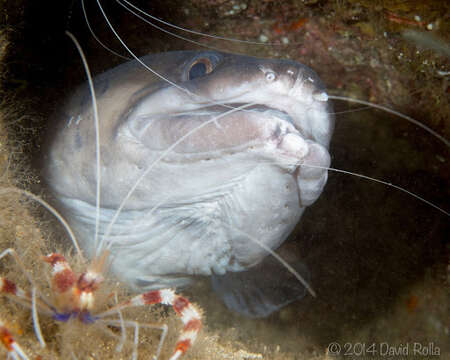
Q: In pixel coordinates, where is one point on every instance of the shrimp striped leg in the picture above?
(189, 314)
(13, 348)
(9, 288)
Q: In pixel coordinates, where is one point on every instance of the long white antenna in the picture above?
(384, 108)
(7, 190)
(97, 135)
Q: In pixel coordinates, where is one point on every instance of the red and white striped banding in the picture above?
(192, 320)
(189, 314)
(74, 295)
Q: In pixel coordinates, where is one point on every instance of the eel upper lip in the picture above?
(280, 114)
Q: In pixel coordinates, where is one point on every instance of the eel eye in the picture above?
(200, 67)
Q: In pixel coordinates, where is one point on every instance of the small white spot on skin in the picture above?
(323, 96)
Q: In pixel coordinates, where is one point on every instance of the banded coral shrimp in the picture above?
(322, 243)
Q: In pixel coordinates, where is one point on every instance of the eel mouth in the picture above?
(235, 122)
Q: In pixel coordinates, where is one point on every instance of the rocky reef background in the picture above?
(378, 258)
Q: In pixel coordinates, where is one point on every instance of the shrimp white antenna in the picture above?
(198, 33)
(34, 312)
(136, 325)
(97, 134)
(164, 328)
(384, 108)
(19, 352)
(383, 182)
(7, 190)
(136, 341)
(164, 30)
(123, 333)
(418, 197)
(350, 111)
(134, 56)
(96, 37)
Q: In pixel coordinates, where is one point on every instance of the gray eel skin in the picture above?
(239, 173)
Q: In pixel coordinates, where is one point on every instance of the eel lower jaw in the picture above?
(284, 116)
(294, 141)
